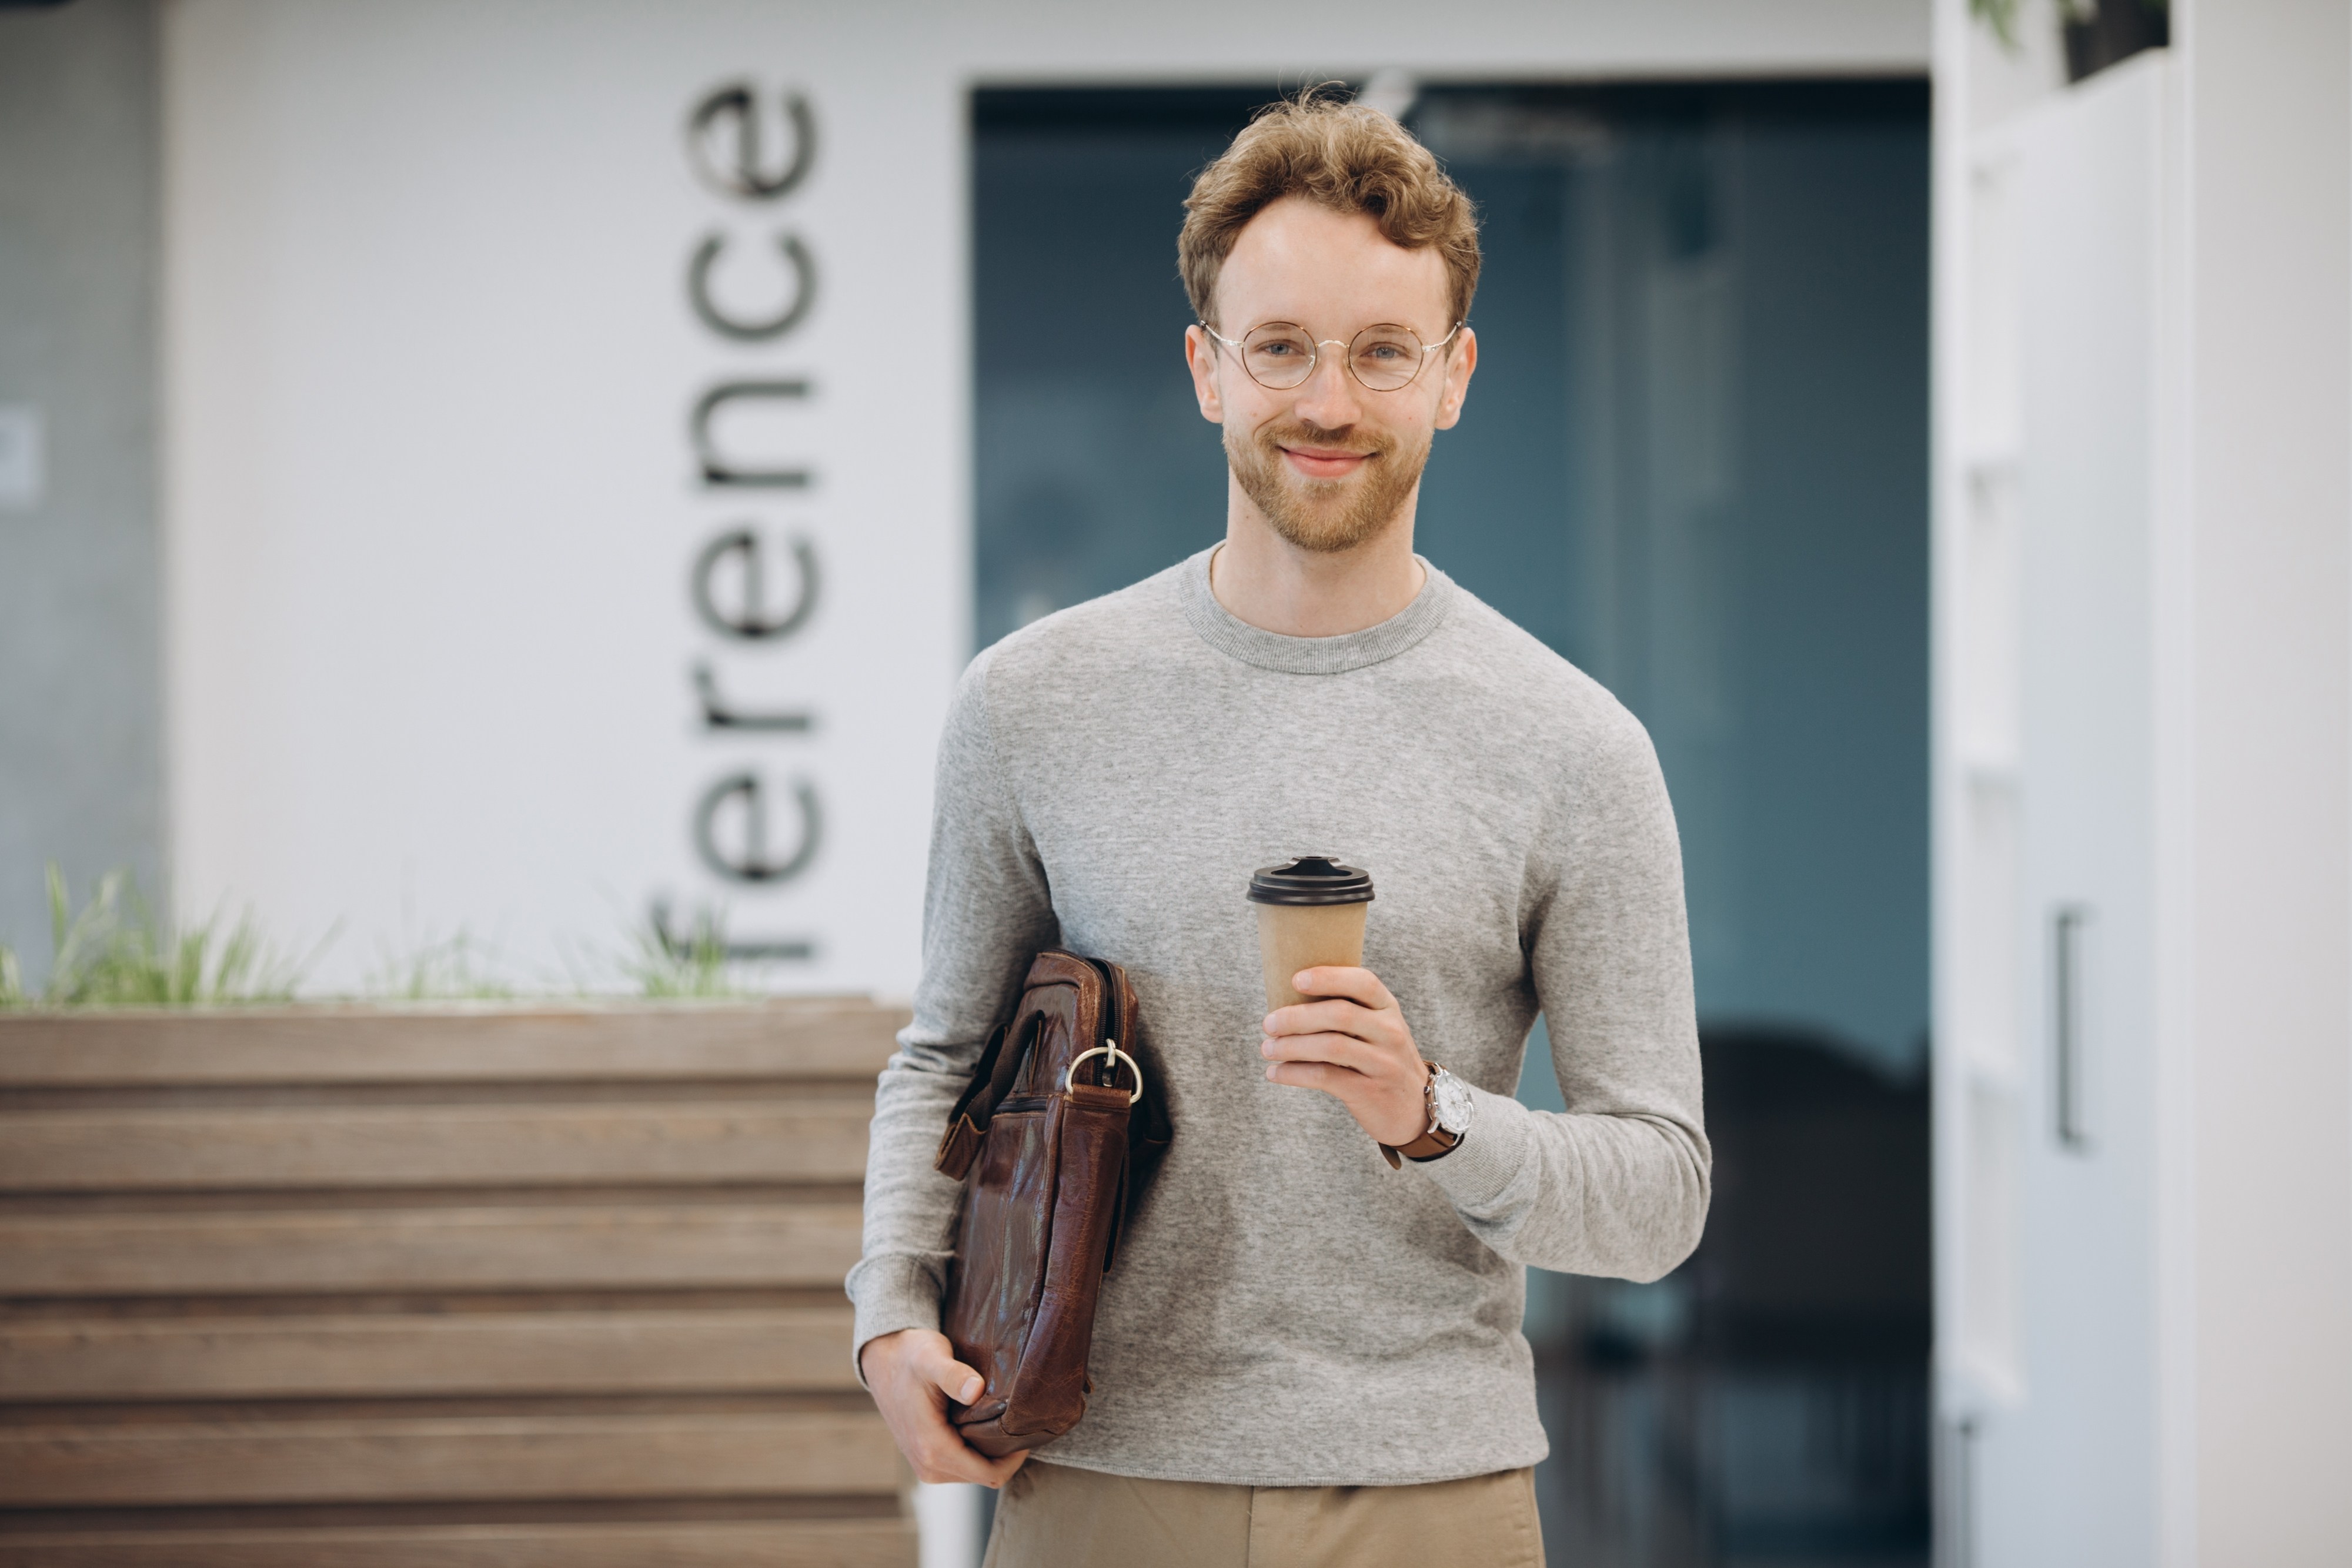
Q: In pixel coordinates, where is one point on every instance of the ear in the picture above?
(1461, 358)
(1200, 358)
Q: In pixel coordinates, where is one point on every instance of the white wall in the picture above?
(430, 509)
(2169, 1372)
(432, 503)
(2268, 113)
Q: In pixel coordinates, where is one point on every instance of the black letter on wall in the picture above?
(755, 866)
(735, 163)
(803, 299)
(716, 472)
(716, 714)
(753, 621)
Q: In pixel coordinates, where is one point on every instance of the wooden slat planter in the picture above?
(393, 1147)
(459, 1286)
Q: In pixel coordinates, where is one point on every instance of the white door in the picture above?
(2046, 1328)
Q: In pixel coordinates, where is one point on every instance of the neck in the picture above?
(1269, 583)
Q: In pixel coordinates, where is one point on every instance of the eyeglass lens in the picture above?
(1280, 356)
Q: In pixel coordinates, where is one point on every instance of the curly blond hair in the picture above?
(1339, 155)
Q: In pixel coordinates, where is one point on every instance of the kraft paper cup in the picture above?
(1311, 911)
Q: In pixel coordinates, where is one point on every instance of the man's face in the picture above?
(1330, 463)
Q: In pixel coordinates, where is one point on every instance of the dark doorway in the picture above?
(1694, 462)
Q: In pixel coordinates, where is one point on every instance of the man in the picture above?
(1304, 1356)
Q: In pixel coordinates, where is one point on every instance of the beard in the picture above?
(1326, 516)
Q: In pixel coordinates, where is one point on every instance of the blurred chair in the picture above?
(1767, 1401)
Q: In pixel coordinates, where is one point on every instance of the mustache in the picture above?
(1306, 432)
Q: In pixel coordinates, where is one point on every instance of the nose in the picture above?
(1329, 396)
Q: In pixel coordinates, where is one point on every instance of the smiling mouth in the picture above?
(1325, 462)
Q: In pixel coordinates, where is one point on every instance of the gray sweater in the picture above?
(1287, 1311)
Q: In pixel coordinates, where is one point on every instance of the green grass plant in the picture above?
(2000, 16)
(662, 964)
(455, 968)
(116, 951)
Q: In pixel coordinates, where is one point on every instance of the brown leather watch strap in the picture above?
(1427, 1146)
(1436, 1141)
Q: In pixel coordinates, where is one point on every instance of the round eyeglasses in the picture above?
(1281, 355)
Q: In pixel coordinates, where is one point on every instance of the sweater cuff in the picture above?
(891, 1291)
(1478, 1174)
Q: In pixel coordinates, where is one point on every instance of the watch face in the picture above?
(1449, 1099)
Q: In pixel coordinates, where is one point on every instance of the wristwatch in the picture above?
(1449, 1119)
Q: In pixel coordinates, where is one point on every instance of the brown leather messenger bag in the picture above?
(1054, 1141)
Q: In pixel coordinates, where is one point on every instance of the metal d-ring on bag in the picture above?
(1108, 1048)
(1052, 1161)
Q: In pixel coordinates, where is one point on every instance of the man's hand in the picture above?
(914, 1374)
(1353, 1045)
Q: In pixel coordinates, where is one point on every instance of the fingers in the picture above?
(1391, 1114)
(1336, 980)
(914, 1374)
(952, 1378)
(1341, 1083)
(1341, 1051)
(950, 1459)
(1352, 1044)
(1337, 1016)
(945, 1449)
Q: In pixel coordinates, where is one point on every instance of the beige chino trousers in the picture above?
(1056, 1516)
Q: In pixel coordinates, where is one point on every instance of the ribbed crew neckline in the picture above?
(1229, 633)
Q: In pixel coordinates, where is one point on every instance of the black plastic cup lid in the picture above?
(1310, 879)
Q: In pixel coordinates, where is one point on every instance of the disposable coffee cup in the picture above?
(1311, 911)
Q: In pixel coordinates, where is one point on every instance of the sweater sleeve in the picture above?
(1618, 1184)
(986, 911)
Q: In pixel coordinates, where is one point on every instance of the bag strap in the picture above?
(992, 1077)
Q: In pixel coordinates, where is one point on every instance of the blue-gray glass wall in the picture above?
(1694, 462)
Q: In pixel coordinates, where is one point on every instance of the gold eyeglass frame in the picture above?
(1314, 358)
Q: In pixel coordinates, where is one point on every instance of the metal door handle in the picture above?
(2067, 1029)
